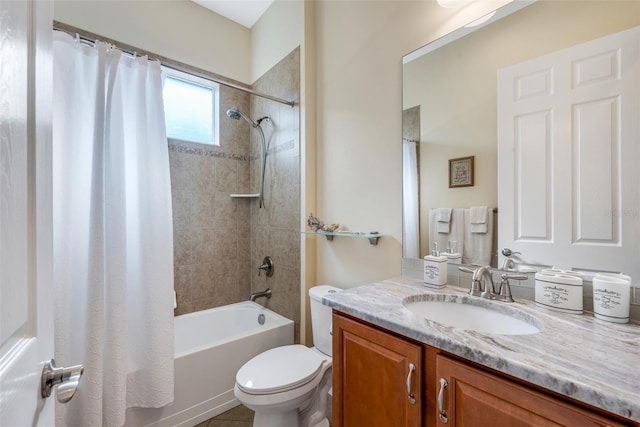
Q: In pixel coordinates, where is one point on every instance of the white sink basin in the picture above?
(473, 314)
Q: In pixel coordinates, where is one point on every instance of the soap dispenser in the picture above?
(452, 256)
(435, 269)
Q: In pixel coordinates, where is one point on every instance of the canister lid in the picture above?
(561, 279)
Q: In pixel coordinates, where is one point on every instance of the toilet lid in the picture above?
(279, 369)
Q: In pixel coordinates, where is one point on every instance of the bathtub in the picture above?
(210, 347)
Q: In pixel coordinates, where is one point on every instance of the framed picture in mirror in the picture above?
(461, 172)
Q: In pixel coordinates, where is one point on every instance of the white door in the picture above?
(568, 156)
(26, 274)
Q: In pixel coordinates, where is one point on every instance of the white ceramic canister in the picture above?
(611, 297)
(559, 292)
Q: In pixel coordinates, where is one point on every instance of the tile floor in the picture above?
(240, 416)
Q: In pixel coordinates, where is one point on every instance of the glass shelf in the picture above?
(245, 196)
(372, 236)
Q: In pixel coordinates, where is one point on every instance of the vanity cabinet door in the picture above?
(472, 397)
(376, 377)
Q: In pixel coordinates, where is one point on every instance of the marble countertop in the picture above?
(589, 360)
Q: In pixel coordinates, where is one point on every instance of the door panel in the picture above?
(14, 221)
(26, 273)
(533, 192)
(597, 144)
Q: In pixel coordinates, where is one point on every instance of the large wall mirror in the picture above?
(450, 105)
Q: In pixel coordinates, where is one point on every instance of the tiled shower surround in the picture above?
(220, 241)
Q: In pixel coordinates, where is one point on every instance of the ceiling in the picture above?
(244, 12)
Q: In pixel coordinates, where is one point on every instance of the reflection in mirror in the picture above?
(410, 181)
(454, 89)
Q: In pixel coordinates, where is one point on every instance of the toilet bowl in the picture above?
(288, 386)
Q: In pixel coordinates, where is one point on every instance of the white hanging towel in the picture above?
(456, 230)
(477, 246)
(443, 220)
(478, 219)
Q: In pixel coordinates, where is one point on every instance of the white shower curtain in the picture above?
(410, 223)
(113, 248)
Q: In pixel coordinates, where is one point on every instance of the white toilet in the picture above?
(287, 386)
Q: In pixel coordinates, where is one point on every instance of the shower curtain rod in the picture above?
(167, 62)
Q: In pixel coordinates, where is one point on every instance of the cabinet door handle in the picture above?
(442, 414)
(412, 398)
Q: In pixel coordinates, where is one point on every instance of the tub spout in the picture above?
(256, 295)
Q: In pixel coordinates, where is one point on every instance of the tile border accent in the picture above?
(178, 148)
(206, 152)
(289, 145)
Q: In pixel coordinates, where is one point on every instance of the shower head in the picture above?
(236, 114)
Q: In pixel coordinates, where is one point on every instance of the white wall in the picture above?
(351, 100)
(359, 100)
(180, 30)
(275, 35)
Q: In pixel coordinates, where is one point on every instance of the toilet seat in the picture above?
(279, 369)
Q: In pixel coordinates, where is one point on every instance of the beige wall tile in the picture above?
(181, 246)
(218, 241)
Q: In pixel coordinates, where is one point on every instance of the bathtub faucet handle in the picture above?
(267, 266)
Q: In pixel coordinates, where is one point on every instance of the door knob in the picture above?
(66, 379)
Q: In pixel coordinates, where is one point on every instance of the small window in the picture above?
(190, 108)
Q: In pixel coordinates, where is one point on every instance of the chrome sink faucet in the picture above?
(484, 274)
(481, 282)
(508, 261)
(508, 264)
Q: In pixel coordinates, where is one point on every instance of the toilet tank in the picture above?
(321, 318)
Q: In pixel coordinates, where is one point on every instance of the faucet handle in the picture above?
(506, 276)
(504, 294)
(267, 266)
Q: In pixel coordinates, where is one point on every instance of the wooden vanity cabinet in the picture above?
(475, 398)
(370, 373)
(377, 377)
